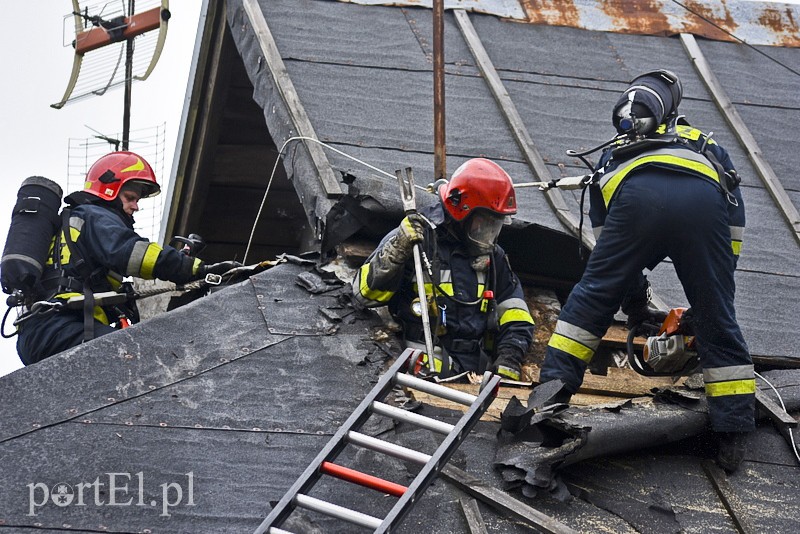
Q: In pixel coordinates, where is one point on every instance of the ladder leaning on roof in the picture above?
(297, 496)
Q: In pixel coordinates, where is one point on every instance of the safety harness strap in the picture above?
(84, 272)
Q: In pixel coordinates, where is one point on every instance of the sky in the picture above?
(34, 137)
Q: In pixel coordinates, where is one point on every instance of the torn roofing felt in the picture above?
(363, 74)
(547, 452)
(244, 387)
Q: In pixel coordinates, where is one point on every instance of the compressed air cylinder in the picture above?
(34, 222)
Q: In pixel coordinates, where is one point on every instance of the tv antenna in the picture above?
(113, 141)
(104, 34)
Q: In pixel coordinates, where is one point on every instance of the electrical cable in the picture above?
(720, 28)
(780, 399)
(275, 168)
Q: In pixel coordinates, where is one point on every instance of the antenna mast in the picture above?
(103, 36)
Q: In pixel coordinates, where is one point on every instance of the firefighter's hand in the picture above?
(645, 314)
(509, 362)
(400, 247)
(410, 232)
(217, 268)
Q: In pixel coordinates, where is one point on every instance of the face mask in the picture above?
(481, 231)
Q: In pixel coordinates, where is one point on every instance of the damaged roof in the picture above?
(359, 78)
(207, 414)
(229, 398)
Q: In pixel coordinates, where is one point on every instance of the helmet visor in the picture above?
(483, 227)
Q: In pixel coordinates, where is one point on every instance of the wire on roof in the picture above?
(275, 168)
(720, 28)
(791, 436)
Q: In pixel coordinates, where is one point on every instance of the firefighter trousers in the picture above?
(656, 215)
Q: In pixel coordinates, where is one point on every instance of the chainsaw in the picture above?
(669, 349)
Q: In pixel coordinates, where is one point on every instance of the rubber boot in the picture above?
(732, 448)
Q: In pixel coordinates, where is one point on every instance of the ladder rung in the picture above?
(362, 479)
(435, 389)
(339, 512)
(412, 418)
(385, 447)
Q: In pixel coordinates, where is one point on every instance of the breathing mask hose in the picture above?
(3, 325)
(580, 223)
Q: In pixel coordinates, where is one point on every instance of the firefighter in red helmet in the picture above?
(479, 317)
(95, 249)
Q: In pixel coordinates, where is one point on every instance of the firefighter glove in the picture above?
(509, 362)
(410, 232)
(645, 314)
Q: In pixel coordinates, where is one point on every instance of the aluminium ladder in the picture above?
(297, 496)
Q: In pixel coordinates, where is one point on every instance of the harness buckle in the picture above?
(213, 279)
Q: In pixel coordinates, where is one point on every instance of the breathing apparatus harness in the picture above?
(440, 298)
(631, 144)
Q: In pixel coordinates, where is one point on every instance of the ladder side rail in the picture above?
(312, 473)
(441, 456)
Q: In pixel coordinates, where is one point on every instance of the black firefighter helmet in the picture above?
(650, 99)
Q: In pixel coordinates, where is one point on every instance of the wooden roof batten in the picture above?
(518, 130)
(768, 177)
(532, 156)
(300, 120)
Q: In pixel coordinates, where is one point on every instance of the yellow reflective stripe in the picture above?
(100, 315)
(98, 312)
(196, 265)
(610, 187)
(371, 294)
(115, 284)
(571, 347)
(149, 261)
(516, 314)
(67, 296)
(481, 287)
(584, 337)
(437, 363)
(687, 132)
(737, 236)
(447, 289)
(731, 387)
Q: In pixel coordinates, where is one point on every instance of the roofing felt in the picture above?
(364, 76)
(242, 389)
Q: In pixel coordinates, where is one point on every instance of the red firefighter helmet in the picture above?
(114, 170)
(479, 184)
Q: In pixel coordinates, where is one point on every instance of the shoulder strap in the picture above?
(84, 271)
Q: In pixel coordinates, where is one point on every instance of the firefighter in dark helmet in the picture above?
(663, 189)
(94, 250)
(479, 319)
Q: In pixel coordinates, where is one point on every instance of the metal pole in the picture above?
(126, 112)
(439, 139)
